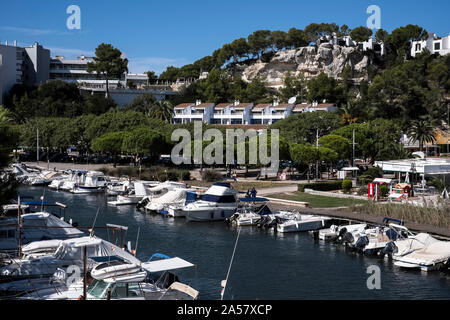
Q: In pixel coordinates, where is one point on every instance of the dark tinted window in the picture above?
(219, 199)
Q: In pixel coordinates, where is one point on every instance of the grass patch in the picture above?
(316, 201)
(430, 215)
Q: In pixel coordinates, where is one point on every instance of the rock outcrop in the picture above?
(309, 61)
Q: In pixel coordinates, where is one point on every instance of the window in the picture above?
(437, 46)
(418, 47)
(98, 288)
(219, 199)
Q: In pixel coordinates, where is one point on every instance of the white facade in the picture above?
(22, 65)
(189, 112)
(270, 113)
(232, 113)
(434, 44)
(315, 106)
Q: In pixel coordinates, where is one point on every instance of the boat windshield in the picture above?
(219, 199)
(98, 288)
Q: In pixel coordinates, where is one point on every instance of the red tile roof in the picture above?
(183, 105)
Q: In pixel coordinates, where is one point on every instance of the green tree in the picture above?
(380, 35)
(338, 144)
(8, 141)
(304, 154)
(111, 142)
(361, 34)
(142, 103)
(259, 41)
(422, 131)
(162, 110)
(325, 88)
(108, 64)
(256, 91)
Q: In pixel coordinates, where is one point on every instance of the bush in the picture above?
(211, 176)
(347, 185)
(363, 190)
(384, 190)
(321, 186)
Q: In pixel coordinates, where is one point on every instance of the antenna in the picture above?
(292, 100)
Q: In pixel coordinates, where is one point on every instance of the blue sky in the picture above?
(155, 34)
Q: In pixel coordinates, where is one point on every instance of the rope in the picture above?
(231, 262)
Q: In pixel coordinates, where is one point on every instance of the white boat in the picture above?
(335, 231)
(58, 182)
(122, 281)
(95, 182)
(422, 252)
(174, 197)
(158, 191)
(250, 211)
(374, 240)
(68, 253)
(35, 227)
(302, 222)
(75, 177)
(141, 190)
(218, 203)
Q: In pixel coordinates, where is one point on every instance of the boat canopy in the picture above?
(256, 199)
(166, 265)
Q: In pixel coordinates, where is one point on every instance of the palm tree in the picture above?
(423, 132)
(161, 110)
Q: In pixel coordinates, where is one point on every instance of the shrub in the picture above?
(321, 186)
(347, 185)
(211, 176)
(363, 190)
(384, 190)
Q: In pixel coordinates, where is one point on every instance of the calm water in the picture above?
(266, 266)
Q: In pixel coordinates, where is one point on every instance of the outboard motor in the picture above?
(348, 238)
(389, 249)
(262, 221)
(340, 237)
(361, 243)
(141, 204)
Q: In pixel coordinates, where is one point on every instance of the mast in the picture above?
(84, 273)
(19, 227)
(37, 145)
(229, 268)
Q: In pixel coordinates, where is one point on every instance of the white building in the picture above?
(434, 44)
(22, 65)
(347, 41)
(189, 112)
(315, 106)
(268, 114)
(232, 113)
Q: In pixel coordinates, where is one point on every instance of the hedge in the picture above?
(321, 186)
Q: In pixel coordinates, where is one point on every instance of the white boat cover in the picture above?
(140, 190)
(166, 265)
(435, 252)
(171, 197)
(414, 243)
(39, 246)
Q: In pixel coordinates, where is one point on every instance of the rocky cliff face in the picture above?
(309, 61)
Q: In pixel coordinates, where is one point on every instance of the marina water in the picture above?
(266, 265)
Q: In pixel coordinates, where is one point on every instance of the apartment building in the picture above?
(189, 112)
(232, 113)
(22, 65)
(434, 44)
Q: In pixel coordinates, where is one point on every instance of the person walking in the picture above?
(253, 192)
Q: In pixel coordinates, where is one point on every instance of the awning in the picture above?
(166, 265)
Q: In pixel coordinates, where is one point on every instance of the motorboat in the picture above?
(218, 203)
(76, 177)
(302, 222)
(373, 240)
(117, 279)
(95, 182)
(158, 191)
(58, 182)
(422, 252)
(173, 197)
(333, 233)
(34, 227)
(176, 210)
(119, 187)
(23, 173)
(68, 253)
(141, 190)
(250, 210)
